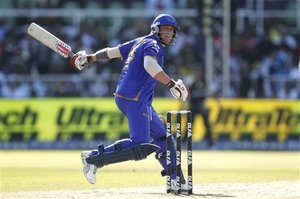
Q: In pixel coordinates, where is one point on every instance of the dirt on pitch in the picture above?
(277, 189)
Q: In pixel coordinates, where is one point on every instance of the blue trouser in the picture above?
(144, 126)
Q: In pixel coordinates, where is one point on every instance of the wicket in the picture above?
(178, 151)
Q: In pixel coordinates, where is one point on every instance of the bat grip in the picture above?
(70, 54)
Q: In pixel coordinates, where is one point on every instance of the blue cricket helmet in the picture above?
(164, 20)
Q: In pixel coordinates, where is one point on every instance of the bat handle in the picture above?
(70, 54)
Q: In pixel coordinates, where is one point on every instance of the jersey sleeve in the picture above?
(125, 48)
(151, 48)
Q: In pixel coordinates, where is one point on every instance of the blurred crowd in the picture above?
(267, 64)
(261, 65)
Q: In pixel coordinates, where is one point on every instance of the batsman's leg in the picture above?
(124, 150)
(135, 148)
(121, 154)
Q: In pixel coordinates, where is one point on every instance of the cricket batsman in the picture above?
(143, 68)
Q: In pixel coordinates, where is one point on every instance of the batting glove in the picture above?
(80, 60)
(179, 89)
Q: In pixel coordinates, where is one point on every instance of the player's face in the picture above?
(166, 33)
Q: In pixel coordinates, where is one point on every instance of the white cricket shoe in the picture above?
(89, 170)
(184, 187)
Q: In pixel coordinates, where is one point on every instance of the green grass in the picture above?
(61, 170)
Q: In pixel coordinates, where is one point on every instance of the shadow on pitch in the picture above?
(198, 195)
(214, 195)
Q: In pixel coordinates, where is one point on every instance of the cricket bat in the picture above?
(50, 40)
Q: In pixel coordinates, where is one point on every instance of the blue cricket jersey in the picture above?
(135, 83)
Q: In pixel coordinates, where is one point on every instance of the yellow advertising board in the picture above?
(66, 119)
(98, 118)
(259, 118)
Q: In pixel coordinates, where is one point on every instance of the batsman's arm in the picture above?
(104, 54)
(81, 60)
(154, 69)
(179, 89)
